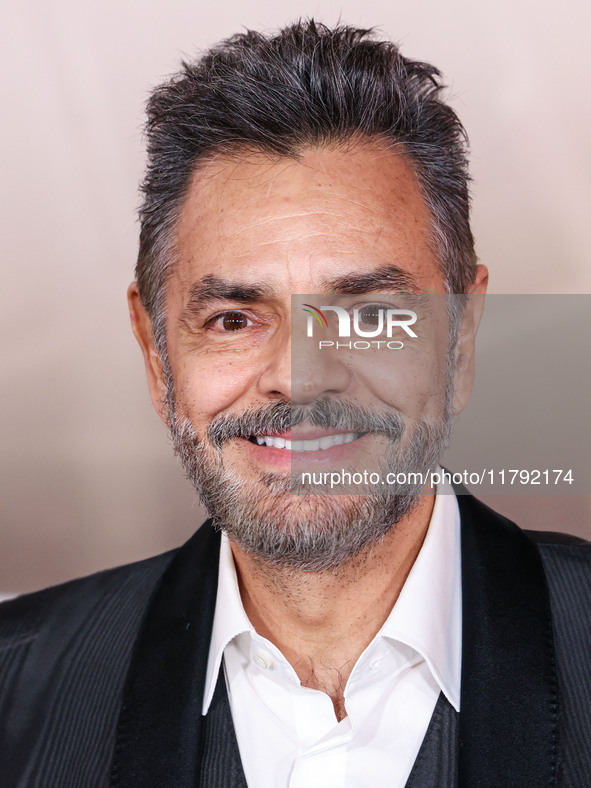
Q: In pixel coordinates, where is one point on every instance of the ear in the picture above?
(142, 329)
(464, 351)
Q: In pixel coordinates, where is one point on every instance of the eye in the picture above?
(229, 321)
(370, 314)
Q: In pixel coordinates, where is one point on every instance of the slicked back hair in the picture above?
(308, 85)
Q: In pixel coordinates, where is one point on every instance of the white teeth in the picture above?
(311, 445)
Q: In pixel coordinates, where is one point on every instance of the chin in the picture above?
(308, 532)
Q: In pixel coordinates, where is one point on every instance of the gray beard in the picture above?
(272, 518)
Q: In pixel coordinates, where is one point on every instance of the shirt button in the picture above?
(262, 660)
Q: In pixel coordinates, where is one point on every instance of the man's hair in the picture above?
(306, 86)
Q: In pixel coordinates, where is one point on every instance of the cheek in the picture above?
(206, 387)
(412, 379)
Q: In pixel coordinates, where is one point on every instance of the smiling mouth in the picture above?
(317, 444)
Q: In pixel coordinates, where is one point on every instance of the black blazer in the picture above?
(101, 679)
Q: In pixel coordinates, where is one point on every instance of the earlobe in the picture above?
(142, 329)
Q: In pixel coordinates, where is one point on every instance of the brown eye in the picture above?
(370, 314)
(234, 321)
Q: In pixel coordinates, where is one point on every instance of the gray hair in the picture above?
(307, 85)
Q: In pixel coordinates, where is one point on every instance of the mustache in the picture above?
(278, 417)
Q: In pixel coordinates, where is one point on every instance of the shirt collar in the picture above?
(427, 615)
(230, 618)
(432, 587)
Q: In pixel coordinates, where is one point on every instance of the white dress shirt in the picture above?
(288, 735)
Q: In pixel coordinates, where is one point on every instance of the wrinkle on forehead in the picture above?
(278, 218)
(326, 203)
(258, 171)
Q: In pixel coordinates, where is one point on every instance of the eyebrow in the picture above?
(386, 277)
(212, 289)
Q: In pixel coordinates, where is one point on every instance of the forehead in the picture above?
(295, 223)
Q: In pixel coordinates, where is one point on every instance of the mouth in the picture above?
(313, 443)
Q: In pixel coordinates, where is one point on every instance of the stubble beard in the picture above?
(283, 526)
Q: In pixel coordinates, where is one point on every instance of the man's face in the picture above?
(337, 223)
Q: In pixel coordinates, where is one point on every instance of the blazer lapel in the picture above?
(509, 696)
(158, 734)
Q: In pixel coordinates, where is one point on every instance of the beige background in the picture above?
(88, 478)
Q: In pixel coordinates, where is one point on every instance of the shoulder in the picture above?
(82, 616)
(556, 549)
(127, 586)
(567, 563)
(64, 654)
(98, 613)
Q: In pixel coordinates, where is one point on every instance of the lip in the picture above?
(285, 460)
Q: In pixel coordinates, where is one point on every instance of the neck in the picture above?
(323, 621)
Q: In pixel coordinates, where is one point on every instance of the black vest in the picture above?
(435, 766)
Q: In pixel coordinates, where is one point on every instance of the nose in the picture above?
(301, 370)
(317, 371)
(275, 381)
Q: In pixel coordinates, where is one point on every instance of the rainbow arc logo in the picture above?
(315, 312)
